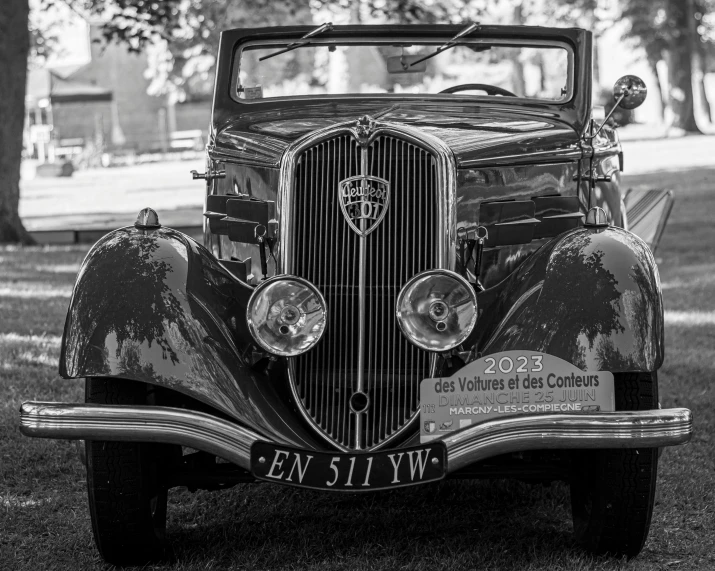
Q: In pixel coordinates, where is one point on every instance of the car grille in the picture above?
(325, 250)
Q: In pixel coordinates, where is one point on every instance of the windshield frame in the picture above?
(525, 42)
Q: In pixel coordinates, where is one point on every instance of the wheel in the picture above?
(125, 484)
(613, 491)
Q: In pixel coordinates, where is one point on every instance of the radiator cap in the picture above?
(147, 219)
(596, 218)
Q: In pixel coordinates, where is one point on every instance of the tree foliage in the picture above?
(673, 31)
(183, 36)
(184, 64)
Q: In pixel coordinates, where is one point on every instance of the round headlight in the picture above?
(286, 315)
(437, 310)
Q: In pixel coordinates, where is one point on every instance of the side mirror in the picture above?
(629, 92)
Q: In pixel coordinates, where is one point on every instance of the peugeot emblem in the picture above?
(364, 201)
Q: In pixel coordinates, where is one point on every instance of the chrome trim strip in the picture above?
(636, 429)
(445, 239)
(139, 424)
(531, 158)
(223, 154)
(362, 309)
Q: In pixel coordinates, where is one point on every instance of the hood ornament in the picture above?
(364, 128)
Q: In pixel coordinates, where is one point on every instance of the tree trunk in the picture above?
(704, 98)
(596, 61)
(662, 99)
(355, 16)
(518, 82)
(699, 64)
(14, 48)
(680, 68)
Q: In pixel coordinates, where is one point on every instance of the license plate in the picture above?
(508, 383)
(349, 472)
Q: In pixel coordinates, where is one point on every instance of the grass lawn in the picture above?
(44, 523)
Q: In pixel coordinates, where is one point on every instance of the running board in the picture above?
(647, 213)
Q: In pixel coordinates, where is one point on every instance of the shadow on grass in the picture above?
(454, 524)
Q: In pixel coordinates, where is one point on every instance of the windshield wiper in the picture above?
(450, 44)
(328, 26)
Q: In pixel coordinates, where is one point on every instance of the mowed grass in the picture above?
(44, 523)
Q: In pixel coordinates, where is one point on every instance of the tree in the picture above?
(20, 38)
(14, 51)
(680, 63)
(667, 30)
(184, 64)
(647, 27)
(699, 56)
(190, 29)
(131, 22)
(183, 24)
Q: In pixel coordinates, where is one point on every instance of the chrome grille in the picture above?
(326, 251)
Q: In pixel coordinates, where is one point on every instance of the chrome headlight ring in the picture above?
(437, 310)
(286, 315)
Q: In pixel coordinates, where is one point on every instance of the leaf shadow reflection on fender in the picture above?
(143, 299)
(157, 307)
(591, 297)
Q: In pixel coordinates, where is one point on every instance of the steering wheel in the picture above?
(489, 89)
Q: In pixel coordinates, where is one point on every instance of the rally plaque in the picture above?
(510, 383)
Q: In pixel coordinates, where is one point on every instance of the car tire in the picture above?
(126, 484)
(613, 491)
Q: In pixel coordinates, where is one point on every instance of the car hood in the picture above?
(477, 135)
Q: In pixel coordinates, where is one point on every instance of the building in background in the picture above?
(99, 109)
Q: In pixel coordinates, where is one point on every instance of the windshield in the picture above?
(483, 67)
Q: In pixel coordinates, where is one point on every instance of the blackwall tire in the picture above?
(613, 491)
(127, 498)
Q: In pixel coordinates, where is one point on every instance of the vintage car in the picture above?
(418, 264)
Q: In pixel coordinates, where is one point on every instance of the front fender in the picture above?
(591, 297)
(155, 306)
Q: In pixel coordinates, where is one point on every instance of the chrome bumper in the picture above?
(638, 429)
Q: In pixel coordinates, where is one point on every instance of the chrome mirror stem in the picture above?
(608, 116)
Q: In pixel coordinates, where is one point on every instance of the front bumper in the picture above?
(636, 429)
